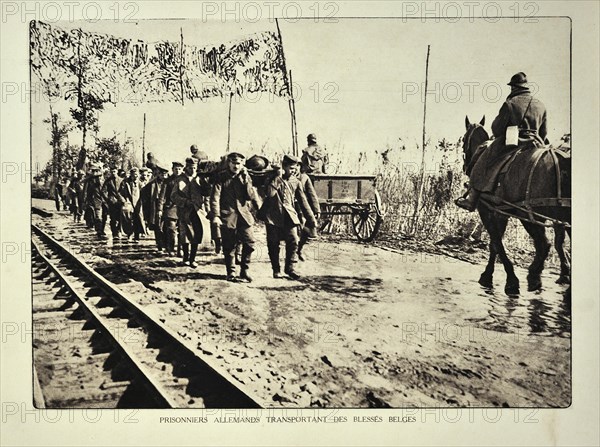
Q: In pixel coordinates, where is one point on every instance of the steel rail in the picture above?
(245, 398)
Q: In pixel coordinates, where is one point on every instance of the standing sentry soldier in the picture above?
(314, 158)
(520, 109)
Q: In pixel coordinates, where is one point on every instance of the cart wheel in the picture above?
(367, 220)
(326, 218)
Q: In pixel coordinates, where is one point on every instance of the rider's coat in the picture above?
(520, 109)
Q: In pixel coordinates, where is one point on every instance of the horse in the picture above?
(538, 190)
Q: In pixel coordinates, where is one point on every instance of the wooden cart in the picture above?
(353, 195)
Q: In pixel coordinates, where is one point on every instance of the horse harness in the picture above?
(526, 206)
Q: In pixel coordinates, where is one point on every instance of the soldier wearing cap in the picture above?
(95, 200)
(281, 217)
(188, 194)
(151, 203)
(232, 199)
(132, 220)
(169, 209)
(314, 157)
(520, 109)
(111, 191)
(76, 190)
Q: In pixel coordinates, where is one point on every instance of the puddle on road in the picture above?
(545, 313)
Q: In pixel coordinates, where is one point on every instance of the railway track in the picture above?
(130, 360)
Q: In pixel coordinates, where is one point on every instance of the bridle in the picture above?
(467, 150)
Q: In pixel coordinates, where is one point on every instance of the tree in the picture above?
(59, 131)
(86, 115)
(111, 152)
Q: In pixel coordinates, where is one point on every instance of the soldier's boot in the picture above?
(230, 267)
(244, 275)
(470, 201)
(217, 246)
(238, 254)
(193, 251)
(290, 261)
(245, 262)
(301, 244)
(291, 272)
(186, 253)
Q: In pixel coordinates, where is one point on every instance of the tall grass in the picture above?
(437, 219)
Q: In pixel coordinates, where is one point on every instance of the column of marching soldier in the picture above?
(170, 204)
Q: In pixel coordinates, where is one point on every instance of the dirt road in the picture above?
(364, 327)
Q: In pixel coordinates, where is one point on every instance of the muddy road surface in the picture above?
(365, 326)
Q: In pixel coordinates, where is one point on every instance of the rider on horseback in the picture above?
(522, 113)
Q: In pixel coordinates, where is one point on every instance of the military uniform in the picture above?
(313, 157)
(95, 201)
(132, 219)
(111, 190)
(282, 219)
(169, 212)
(188, 194)
(151, 205)
(231, 203)
(520, 109)
(307, 232)
(77, 198)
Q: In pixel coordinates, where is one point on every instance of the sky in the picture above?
(358, 85)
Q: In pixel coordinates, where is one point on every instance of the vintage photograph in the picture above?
(307, 213)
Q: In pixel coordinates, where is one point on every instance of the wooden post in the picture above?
(144, 142)
(422, 174)
(181, 68)
(80, 98)
(289, 88)
(292, 104)
(229, 122)
(54, 146)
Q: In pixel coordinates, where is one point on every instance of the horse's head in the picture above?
(474, 137)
